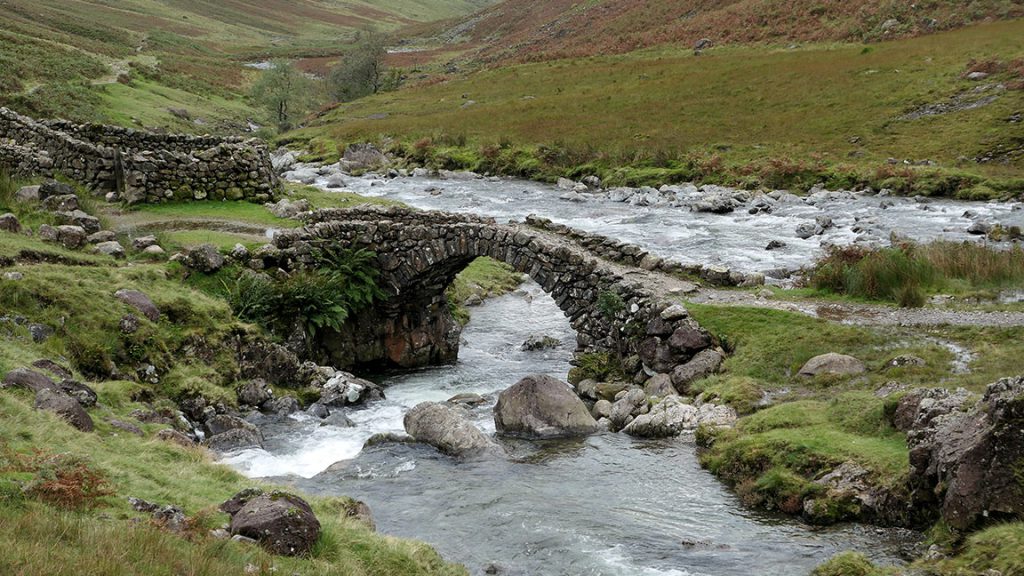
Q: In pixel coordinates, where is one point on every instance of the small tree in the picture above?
(285, 92)
(362, 71)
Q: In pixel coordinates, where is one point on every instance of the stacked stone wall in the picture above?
(141, 167)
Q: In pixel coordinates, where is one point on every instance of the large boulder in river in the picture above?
(64, 406)
(448, 429)
(832, 363)
(542, 407)
(281, 522)
(968, 456)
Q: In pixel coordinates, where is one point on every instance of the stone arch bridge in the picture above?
(420, 253)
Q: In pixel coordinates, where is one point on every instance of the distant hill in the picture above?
(525, 30)
(51, 51)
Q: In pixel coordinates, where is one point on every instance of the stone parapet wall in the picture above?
(140, 167)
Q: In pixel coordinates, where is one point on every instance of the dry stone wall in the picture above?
(141, 167)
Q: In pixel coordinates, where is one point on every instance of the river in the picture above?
(736, 240)
(608, 505)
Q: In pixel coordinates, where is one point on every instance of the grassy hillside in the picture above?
(115, 61)
(525, 30)
(760, 115)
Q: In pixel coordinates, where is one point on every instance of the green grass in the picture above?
(769, 347)
(745, 114)
(908, 272)
(37, 538)
(484, 277)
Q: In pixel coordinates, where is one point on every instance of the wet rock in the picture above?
(344, 389)
(29, 380)
(542, 407)
(832, 363)
(602, 409)
(467, 399)
(271, 362)
(254, 392)
(335, 181)
(979, 228)
(381, 438)
(140, 302)
(234, 439)
(659, 385)
(64, 406)
(968, 456)
(318, 410)
(806, 230)
(626, 407)
(282, 406)
(775, 245)
(221, 423)
(538, 342)
(609, 390)
(282, 523)
(447, 429)
(672, 416)
(112, 249)
(338, 419)
(204, 258)
(9, 223)
(703, 364)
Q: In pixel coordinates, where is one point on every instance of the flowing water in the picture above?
(735, 240)
(605, 505)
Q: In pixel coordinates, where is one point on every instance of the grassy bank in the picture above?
(908, 273)
(749, 115)
(796, 429)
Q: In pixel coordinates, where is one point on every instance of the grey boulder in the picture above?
(542, 407)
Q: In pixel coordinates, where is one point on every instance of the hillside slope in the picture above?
(749, 114)
(524, 30)
(181, 53)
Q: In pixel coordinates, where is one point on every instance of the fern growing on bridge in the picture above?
(322, 297)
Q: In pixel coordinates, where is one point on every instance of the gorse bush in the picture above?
(322, 297)
(906, 272)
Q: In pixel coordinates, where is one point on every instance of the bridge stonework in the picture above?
(419, 255)
(142, 167)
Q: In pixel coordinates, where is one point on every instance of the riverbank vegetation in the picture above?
(908, 273)
(795, 429)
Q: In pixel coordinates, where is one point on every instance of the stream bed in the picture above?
(605, 505)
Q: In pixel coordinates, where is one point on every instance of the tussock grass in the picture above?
(38, 539)
(741, 114)
(907, 272)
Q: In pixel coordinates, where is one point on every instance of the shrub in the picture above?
(323, 297)
(64, 480)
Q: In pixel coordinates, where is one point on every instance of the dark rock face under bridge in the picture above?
(420, 253)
